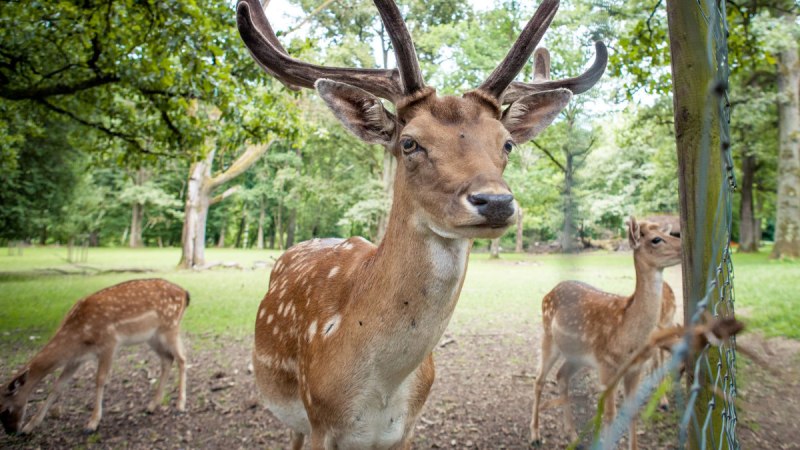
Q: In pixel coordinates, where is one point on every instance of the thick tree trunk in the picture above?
(518, 247)
(199, 198)
(137, 212)
(787, 223)
(568, 229)
(494, 249)
(195, 214)
(749, 226)
(137, 217)
(222, 229)
(279, 226)
(261, 216)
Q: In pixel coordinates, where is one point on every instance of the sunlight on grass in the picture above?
(497, 296)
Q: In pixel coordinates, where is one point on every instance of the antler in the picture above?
(390, 84)
(541, 81)
(500, 83)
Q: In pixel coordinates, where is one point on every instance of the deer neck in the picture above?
(645, 308)
(415, 282)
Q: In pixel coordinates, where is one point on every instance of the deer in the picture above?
(133, 312)
(589, 327)
(345, 333)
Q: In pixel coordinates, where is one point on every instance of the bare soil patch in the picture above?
(481, 399)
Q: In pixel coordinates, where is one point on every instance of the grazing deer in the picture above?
(344, 335)
(128, 313)
(589, 327)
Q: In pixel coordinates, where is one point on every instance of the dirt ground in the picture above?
(481, 399)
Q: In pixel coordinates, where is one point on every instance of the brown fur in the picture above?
(591, 327)
(143, 310)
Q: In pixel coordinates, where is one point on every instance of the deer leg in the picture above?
(166, 364)
(317, 439)
(565, 373)
(610, 409)
(180, 355)
(103, 370)
(66, 375)
(548, 359)
(630, 382)
(297, 440)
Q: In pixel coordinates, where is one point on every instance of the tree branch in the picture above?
(228, 192)
(242, 163)
(549, 155)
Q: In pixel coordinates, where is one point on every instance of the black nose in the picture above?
(495, 207)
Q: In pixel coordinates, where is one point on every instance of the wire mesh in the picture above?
(708, 415)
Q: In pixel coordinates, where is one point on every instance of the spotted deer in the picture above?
(344, 335)
(128, 313)
(589, 327)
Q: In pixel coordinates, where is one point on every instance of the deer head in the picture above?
(13, 403)
(451, 151)
(653, 244)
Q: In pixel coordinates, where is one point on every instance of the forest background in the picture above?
(144, 123)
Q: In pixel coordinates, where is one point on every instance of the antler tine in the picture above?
(407, 62)
(541, 64)
(265, 48)
(518, 56)
(577, 85)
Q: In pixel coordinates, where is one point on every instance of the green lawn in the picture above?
(497, 295)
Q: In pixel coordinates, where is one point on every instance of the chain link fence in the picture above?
(707, 407)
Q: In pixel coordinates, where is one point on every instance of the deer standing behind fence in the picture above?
(344, 335)
(128, 313)
(589, 327)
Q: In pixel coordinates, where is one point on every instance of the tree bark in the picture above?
(568, 229)
(787, 223)
(749, 226)
(222, 229)
(261, 216)
(387, 176)
(701, 183)
(137, 212)
(199, 191)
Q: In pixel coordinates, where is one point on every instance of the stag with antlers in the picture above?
(344, 335)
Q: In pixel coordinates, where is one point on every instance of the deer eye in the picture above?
(409, 145)
(657, 240)
(509, 145)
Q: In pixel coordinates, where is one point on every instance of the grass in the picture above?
(497, 295)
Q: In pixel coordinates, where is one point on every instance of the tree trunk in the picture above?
(568, 230)
(137, 217)
(279, 226)
(137, 212)
(199, 198)
(749, 226)
(222, 229)
(518, 247)
(787, 223)
(494, 249)
(290, 228)
(272, 228)
(261, 216)
(701, 183)
(195, 214)
(237, 243)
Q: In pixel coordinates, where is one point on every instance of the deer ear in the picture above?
(361, 112)
(528, 116)
(16, 383)
(634, 233)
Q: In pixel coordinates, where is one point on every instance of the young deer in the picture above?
(128, 313)
(344, 335)
(589, 327)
